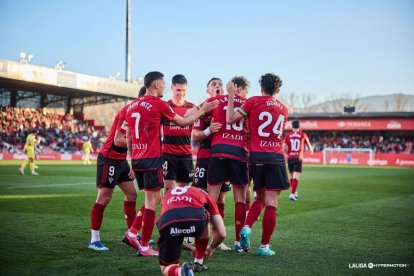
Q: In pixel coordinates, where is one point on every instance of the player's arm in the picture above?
(129, 141)
(308, 144)
(231, 116)
(218, 224)
(183, 122)
(200, 135)
(120, 139)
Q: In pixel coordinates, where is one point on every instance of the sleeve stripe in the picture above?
(242, 112)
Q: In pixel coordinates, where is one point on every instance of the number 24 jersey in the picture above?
(267, 119)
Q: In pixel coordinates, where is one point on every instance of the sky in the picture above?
(322, 48)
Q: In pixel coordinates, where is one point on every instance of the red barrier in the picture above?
(379, 159)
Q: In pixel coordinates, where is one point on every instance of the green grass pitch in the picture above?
(345, 217)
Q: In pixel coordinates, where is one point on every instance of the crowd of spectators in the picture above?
(379, 143)
(60, 133)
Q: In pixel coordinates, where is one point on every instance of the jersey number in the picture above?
(236, 126)
(138, 117)
(267, 118)
(178, 190)
(295, 144)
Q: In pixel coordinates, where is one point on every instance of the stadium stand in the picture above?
(58, 132)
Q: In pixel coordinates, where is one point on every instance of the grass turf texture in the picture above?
(344, 216)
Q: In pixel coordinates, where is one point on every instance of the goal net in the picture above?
(348, 156)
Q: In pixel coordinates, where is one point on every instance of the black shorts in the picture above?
(173, 226)
(270, 177)
(181, 170)
(150, 180)
(200, 176)
(295, 165)
(111, 172)
(222, 170)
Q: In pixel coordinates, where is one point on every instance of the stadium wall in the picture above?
(380, 159)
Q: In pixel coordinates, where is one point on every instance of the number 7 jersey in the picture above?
(143, 118)
(267, 118)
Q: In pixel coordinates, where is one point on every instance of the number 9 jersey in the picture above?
(267, 118)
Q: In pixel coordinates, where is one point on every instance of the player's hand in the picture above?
(131, 174)
(214, 126)
(208, 252)
(231, 89)
(207, 107)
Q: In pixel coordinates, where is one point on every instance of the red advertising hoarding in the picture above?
(354, 124)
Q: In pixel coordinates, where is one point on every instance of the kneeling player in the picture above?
(186, 211)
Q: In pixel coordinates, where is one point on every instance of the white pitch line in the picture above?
(46, 186)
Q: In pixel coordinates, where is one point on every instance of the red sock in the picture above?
(201, 246)
(221, 209)
(174, 270)
(137, 224)
(294, 183)
(97, 216)
(130, 212)
(254, 212)
(268, 224)
(239, 218)
(148, 219)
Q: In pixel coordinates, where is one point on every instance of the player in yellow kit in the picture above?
(87, 149)
(30, 147)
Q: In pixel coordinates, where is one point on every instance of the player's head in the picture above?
(179, 87)
(215, 87)
(142, 91)
(243, 85)
(154, 81)
(295, 124)
(270, 84)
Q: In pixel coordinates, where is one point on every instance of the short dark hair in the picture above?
(142, 91)
(151, 77)
(240, 81)
(295, 124)
(270, 83)
(213, 79)
(179, 79)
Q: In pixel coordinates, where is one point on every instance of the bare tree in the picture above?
(308, 105)
(387, 105)
(336, 103)
(400, 102)
(290, 99)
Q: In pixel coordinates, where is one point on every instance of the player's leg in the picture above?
(130, 199)
(23, 165)
(169, 255)
(269, 222)
(153, 182)
(185, 172)
(169, 170)
(239, 179)
(97, 212)
(295, 184)
(201, 244)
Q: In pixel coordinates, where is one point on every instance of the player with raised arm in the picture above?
(144, 117)
(30, 148)
(178, 165)
(186, 211)
(113, 169)
(267, 117)
(228, 161)
(202, 131)
(294, 145)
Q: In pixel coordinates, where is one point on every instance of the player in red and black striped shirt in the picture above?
(294, 144)
(267, 117)
(143, 118)
(176, 145)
